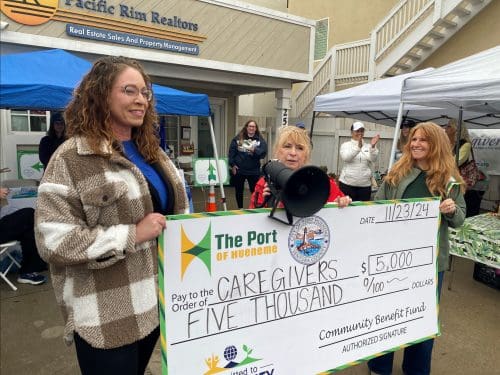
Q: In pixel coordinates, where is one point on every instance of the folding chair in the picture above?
(5, 249)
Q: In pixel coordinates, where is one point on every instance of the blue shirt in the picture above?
(132, 154)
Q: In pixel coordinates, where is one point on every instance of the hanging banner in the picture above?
(486, 143)
(242, 293)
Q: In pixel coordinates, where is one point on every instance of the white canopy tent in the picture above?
(470, 90)
(469, 84)
(379, 101)
(472, 83)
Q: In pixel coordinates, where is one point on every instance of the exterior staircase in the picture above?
(410, 33)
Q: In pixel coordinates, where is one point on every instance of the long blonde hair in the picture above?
(442, 165)
(294, 134)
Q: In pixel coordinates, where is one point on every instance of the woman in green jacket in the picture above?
(427, 168)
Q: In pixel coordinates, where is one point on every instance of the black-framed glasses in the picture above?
(133, 91)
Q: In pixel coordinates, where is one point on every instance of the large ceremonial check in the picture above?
(243, 294)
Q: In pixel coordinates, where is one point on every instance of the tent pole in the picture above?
(312, 126)
(396, 134)
(214, 145)
(459, 132)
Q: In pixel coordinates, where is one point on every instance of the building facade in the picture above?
(218, 47)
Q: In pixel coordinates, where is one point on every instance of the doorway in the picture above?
(205, 148)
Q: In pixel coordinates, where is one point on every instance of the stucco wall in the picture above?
(349, 20)
(258, 105)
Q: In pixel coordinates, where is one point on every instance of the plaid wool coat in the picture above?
(87, 209)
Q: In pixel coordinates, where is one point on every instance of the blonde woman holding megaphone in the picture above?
(293, 149)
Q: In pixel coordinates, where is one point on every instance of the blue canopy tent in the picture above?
(41, 80)
(175, 102)
(45, 80)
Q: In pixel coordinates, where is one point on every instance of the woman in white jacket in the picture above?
(355, 178)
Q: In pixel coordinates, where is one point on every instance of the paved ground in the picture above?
(31, 328)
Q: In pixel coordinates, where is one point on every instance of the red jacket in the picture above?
(257, 198)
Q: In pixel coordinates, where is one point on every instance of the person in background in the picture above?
(472, 196)
(101, 206)
(405, 127)
(427, 168)
(301, 125)
(356, 174)
(54, 138)
(293, 149)
(19, 226)
(245, 153)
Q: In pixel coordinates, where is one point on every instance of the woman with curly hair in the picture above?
(426, 168)
(101, 205)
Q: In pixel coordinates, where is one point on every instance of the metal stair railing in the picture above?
(344, 64)
(321, 78)
(352, 63)
(397, 22)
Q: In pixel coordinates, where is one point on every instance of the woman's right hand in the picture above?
(266, 191)
(234, 169)
(448, 207)
(150, 227)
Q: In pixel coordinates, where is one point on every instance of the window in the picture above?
(172, 126)
(28, 121)
(321, 40)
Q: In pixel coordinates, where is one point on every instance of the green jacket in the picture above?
(455, 220)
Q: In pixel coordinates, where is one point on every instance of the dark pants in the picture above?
(239, 186)
(473, 202)
(20, 226)
(357, 193)
(416, 358)
(131, 359)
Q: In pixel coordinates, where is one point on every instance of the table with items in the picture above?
(19, 197)
(478, 239)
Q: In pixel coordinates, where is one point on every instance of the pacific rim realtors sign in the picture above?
(105, 21)
(126, 11)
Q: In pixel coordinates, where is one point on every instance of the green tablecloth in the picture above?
(478, 239)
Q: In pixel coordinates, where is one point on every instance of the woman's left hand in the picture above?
(343, 201)
(447, 206)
